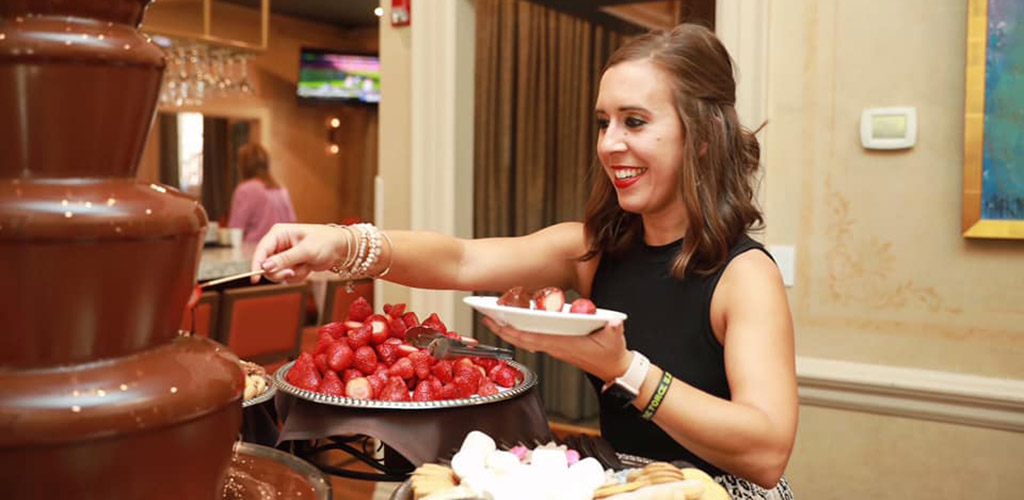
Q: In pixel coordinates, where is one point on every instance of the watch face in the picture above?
(618, 396)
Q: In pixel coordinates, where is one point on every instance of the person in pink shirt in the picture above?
(259, 201)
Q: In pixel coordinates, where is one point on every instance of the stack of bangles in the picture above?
(365, 243)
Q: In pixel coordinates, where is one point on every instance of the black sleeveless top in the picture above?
(670, 323)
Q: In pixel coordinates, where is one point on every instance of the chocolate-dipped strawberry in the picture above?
(550, 298)
(516, 296)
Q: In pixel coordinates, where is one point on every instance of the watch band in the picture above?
(634, 376)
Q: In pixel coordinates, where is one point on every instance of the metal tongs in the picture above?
(442, 347)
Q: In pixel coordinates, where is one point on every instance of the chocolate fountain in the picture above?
(99, 395)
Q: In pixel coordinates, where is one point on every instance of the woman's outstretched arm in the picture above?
(289, 252)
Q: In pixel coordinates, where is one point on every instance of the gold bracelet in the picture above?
(342, 266)
(658, 396)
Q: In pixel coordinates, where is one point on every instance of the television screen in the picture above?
(325, 75)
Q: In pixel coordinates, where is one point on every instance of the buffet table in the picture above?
(220, 261)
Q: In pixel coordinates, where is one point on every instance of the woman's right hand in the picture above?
(289, 252)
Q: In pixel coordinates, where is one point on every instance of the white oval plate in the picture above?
(537, 321)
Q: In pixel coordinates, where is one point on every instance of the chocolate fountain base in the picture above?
(264, 473)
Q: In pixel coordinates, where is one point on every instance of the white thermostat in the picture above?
(888, 128)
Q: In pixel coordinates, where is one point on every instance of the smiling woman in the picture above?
(703, 369)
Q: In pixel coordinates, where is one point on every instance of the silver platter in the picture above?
(266, 396)
(529, 380)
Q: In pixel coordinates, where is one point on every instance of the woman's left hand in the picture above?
(602, 353)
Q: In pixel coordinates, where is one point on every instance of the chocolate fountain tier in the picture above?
(101, 268)
(159, 424)
(78, 94)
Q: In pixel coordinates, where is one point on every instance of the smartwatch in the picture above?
(621, 391)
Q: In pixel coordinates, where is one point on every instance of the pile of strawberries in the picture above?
(366, 357)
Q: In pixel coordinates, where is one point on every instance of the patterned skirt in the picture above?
(741, 489)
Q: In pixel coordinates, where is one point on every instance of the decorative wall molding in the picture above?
(912, 393)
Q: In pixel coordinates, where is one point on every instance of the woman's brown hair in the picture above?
(720, 157)
(253, 161)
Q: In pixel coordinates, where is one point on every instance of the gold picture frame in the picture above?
(974, 225)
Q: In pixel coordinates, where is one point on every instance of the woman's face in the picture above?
(640, 137)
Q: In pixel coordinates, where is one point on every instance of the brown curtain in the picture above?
(537, 72)
(169, 166)
(216, 191)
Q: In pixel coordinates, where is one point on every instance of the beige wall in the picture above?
(882, 273)
(323, 187)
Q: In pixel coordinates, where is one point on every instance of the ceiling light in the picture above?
(378, 11)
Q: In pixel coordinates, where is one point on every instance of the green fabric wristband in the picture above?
(657, 397)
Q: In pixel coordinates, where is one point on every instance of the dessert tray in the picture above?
(266, 395)
(541, 321)
(281, 381)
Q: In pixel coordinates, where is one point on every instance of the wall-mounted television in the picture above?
(331, 76)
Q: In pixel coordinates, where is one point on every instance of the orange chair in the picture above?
(206, 312)
(337, 299)
(263, 324)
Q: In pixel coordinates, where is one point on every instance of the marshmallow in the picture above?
(479, 442)
(502, 462)
(587, 473)
(467, 463)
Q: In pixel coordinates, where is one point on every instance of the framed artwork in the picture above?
(993, 189)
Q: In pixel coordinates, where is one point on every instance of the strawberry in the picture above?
(436, 384)
(395, 390)
(583, 306)
(487, 388)
(470, 370)
(406, 349)
(193, 298)
(359, 310)
(424, 392)
(365, 360)
(387, 309)
(352, 325)
(376, 385)
(304, 376)
(515, 297)
(410, 319)
(305, 360)
(359, 388)
(495, 369)
(320, 361)
(339, 356)
(402, 368)
(350, 374)
(434, 322)
(465, 384)
(388, 353)
(398, 328)
(449, 391)
(487, 363)
(360, 337)
(336, 330)
(397, 310)
(331, 385)
(506, 377)
(379, 329)
(443, 371)
(421, 362)
(322, 344)
(550, 298)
